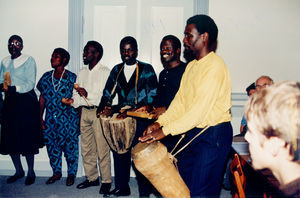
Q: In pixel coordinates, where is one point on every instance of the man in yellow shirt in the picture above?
(203, 100)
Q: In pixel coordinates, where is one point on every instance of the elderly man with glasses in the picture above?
(263, 82)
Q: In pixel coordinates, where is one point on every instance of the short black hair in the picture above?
(174, 39)
(17, 37)
(250, 87)
(97, 46)
(64, 54)
(130, 40)
(204, 24)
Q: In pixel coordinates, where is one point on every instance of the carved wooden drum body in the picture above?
(153, 161)
(119, 133)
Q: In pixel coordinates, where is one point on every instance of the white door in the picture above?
(108, 21)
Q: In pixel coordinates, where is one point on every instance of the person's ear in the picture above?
(97, 54)
(64, 61)
(205, 37)
(178, 51)
(274, 145)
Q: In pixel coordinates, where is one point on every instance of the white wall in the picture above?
(43, 26)
(258, 37)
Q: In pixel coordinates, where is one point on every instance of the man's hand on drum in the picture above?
(145, 108)
(107, 111)
(152, 133)
(122, 115)
(157, 111)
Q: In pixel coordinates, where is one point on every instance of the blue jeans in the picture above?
(202, 163)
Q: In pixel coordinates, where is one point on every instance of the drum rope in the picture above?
(115, 85)
(173, 160)
(182, 136)
(172, 156)
(136, 82)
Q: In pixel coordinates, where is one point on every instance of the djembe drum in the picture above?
(119, 133)
(153, 161)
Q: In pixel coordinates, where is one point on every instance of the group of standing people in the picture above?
(186, 99)
(136, 85)
(23, 129)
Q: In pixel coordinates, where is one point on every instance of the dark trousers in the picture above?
(202, 163)
(122, 163)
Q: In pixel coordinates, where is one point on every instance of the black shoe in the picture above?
(119, 192)
(105, 189)
(53, 179)
(70, 180)
(29, 180)
(14, 178)
(87, 184)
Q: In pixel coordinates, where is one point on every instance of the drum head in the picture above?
(143, 149)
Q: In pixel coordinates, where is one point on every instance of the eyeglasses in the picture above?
(262, 86)
(15, 43)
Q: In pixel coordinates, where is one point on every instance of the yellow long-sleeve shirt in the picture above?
(203, 98)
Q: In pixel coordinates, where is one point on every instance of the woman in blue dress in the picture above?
(20, 132)
(61, 125)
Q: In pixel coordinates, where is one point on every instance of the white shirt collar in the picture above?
(17, 61)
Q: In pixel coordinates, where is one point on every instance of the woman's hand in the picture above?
(43, 124)
(67, 101)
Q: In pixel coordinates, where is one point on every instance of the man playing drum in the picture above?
(168, 85)
(169, 80)
(203, 100)
(135, 83)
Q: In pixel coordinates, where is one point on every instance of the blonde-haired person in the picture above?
(273, 116)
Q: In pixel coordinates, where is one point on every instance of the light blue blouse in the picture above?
(22, 71)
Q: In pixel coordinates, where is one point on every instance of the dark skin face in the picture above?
(196, 42)
(15, 47)
(128, 54)
(57, 60)
(169, 56)
(57, 63)
(188, 55)
(90, 56)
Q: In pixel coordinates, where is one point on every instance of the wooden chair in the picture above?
(239, 177)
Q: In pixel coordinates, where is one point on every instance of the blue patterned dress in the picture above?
(61, 121)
